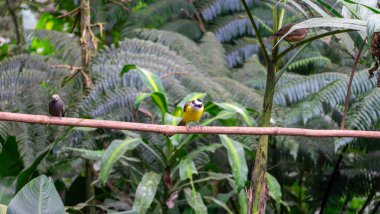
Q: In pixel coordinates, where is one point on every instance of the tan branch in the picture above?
(71, 13)
(169, 130)
(69, 67)
(121, 5)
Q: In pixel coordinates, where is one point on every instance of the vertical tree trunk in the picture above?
(85, 43)
(258, 179)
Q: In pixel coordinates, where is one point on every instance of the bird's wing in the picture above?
(186, 105)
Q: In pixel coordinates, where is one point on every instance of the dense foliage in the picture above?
(151, 58)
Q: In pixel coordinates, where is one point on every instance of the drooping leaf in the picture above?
(84, 153)
(140, 98)
(113, 153)
(127, 68)
(6, 189)
(274, 189)
(194, 199)
(146, 190)
(159, 99)
(243, 201)
(38, 196)
(236, 158)
(237, 108)
(220, 203)
(150, 80)
(187, 169)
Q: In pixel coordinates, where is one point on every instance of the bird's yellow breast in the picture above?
(192, 115)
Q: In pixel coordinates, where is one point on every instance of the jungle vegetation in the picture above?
(146, 59)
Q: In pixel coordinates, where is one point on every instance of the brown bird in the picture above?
(295, 36)
(56, 106)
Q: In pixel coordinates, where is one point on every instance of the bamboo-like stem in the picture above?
(169, 129)
(257, 33)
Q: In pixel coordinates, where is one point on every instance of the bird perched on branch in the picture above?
(192, 112)
(294, 36)
(56, 106)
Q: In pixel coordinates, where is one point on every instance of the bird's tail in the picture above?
(182, 123)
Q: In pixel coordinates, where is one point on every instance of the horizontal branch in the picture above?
(170, 130)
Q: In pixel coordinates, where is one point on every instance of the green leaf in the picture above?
(194, 199)
(126, 68)
(198, 150)
(151, 80)
(84, 153)
(222, 115)
(140, 98)
(274, 190)
(220, 203)
(146, 190)
(85, 129)
(38, 196)
(243, 201)
(236, 158)
(6, 189)
(159, 99)
(237, 108)
(189, 97)
(11, 163)
(344, 23)
(187, 169)
(3, 209)
(113, 153)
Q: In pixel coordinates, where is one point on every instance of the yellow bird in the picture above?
(192, 112)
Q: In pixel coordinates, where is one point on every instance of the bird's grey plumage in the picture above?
(56, 106)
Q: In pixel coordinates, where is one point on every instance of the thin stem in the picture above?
(350, 84)
(19, 37)
(331, 179)
(283, 53)
(258, 36)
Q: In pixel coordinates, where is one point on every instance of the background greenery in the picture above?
(166, 42)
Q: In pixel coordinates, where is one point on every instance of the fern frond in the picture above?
(240, 51)
(230, 27)
(332, 94)
(185, 27)
(317, 63)
(157, 14)
(66, 45)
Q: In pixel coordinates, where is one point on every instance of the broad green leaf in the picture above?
(220, 203)
(274, 190)
(140, 98)
(10, 161)
(190, 97)
(38, 196)
(353, 24)
(26, 174)
(150, 80)
(198, 150)
(243, 201)
(6, 189)
(222, 115)
(127, 68)
(171, 120)
(187, 169)
(235, 107)
(146, 190)
(194, 199)
(236, 158)
(159, 99)
(3, 209)
(84, 129)
(113, 153)
(84, 153)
